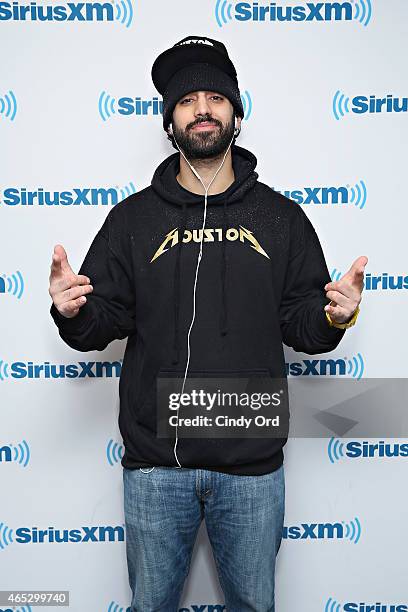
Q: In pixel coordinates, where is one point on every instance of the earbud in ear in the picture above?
(237, 129)
(170, 129)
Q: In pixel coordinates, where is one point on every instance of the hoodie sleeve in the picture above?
(302, 317)
(109, 312)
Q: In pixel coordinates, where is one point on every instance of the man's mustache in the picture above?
(211, 121)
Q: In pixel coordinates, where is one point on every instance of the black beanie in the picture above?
(195, 63)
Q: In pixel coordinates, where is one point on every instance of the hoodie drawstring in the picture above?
(177, 289)
(223, 318)
(177, 286)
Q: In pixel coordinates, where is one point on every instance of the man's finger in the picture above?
(336, 312)
(342, 287)
(356, 271)
(74, 293)
(337, 298)
(354, 277)
(82, 279)
(62, 254)
(72, 307)
(65, 282)
(56, 265)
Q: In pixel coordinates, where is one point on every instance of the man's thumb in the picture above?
(359, 265)
(60, 251)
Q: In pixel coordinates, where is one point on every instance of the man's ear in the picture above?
(237, 125)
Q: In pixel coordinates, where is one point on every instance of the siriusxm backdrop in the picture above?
(324, 87)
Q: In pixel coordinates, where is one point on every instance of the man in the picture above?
(219, 310)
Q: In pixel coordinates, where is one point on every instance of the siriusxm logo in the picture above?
(114, 452)
(352, 606)
(275, 12)
(18, 453)
(114, 607)
(324, 531)
(8, 105)
(362, 449)
(51, 535)
(380, 282)
(82, 369)
(78, 196)
(13, 284)
(121, 11)
(347, 194)
(367, 104)
(109, 106)
(353, 367)
(246, 104)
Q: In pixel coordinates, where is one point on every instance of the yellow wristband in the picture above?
(343, 325)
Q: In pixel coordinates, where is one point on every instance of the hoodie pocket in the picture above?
(146, 411)
(247, 443)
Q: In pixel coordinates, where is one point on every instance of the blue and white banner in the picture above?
(325, 93)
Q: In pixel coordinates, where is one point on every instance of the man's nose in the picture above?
(202, 106)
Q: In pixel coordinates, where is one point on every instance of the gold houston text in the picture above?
(210, 235)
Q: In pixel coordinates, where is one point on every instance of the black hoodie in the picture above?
(260, 283)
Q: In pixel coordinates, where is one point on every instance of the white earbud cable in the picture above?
(197, 268)
(196, 274)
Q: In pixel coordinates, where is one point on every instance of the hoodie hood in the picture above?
(166, 185)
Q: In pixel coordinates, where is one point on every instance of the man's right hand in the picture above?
(67, 289)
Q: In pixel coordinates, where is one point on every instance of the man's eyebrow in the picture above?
(190, 93)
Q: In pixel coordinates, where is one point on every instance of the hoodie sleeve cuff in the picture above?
(74, 324)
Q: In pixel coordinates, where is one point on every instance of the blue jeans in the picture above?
(244, 520)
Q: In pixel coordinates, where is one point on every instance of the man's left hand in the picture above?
(345, 294)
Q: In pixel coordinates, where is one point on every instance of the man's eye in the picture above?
(187, 99)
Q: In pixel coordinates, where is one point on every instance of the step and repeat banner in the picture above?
(324, 88)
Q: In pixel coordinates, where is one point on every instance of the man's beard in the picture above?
(203, 144)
